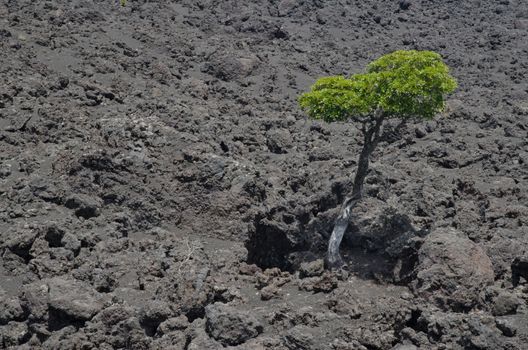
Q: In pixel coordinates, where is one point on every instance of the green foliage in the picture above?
(123, 2)
(402, 84)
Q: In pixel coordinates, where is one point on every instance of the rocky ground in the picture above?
(161, 189)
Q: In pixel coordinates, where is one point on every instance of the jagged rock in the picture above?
(452, 270)
(225, 155)
(65, 338)
(10, 308)
(279, 140)
(505, 304)
(519, 268)
(34, 298)
(152, 314)
(483, 334)
(85, 206)
(270, 292)
(325, 283)
(21, 241)
(198, 339)
(61, 300)
(14, 334)
(272, 277)
(230, 326)
(226, 66)
(506, 326)
(74, 299)
(311, 269)
(172, 324)
(298, 338)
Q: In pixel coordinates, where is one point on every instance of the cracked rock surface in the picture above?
(161, 189)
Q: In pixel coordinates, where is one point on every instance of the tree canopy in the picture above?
(402, 84)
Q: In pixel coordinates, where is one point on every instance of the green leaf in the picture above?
(401, 84)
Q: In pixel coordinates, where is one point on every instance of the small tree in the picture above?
(402, 84)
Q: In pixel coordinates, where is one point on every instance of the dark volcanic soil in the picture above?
(161, 189)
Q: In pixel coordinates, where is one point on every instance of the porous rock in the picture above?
(230, 326)
(452, 270)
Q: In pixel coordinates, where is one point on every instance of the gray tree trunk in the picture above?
(371, 134)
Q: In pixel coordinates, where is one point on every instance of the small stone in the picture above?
(420, 132)
(69, 241)
(4, 33)
(290, 120)
(249, 270)
(5, 170)
(270, 292)
(281, 33)
(311, 269)
(62, 83)
(279, 140)
(406, 296)
(103, 280)
(325, 283)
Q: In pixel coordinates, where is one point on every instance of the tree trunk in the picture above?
(371, 134)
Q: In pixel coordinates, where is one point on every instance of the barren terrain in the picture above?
(161, 189)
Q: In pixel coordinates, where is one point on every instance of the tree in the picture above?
(403, 84)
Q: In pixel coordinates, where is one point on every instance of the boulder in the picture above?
(452, 270)
(61, 300)
(74, 299)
